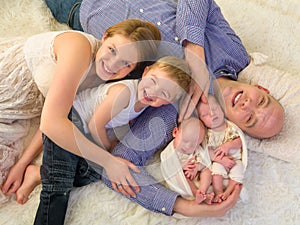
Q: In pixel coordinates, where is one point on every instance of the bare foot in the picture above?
(218, 198)
(209, 198)
(229, 189)
(225, 195)
(200, 196)
(32, 178)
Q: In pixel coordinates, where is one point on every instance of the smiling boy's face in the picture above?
(252, 109)
(156, 88)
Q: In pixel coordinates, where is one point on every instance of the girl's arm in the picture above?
(117, 99)
(73, 54)
(16, 173)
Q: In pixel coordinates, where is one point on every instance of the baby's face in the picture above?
(211, 114)
(186, 140)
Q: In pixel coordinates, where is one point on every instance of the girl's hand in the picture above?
(14, 179)
(120, 177)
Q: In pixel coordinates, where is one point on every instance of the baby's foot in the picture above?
(200, 196)
(209, 198)
(226, 194)
(32, 178)
(218, 198)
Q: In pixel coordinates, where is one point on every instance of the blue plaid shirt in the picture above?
(198, 21)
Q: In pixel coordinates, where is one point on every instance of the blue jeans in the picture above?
(66, 11)
(62, 170)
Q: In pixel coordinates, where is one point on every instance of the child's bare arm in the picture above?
(116, 100)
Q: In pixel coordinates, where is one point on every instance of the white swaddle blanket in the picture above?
(171, 167)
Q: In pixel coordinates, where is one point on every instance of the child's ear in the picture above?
(147, 68)
(174, 133)
(104, 37)
(262, 88)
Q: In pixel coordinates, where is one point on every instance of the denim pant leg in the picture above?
(87, 172)
(57, 172)
(66, 11)
(60, 171)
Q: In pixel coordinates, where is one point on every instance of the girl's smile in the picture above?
(112, 59)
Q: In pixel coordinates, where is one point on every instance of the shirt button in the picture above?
(141, 10)
(158, 23)
(176, 38)
(163, 209)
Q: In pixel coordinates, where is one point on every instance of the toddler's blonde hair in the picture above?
(178, 70)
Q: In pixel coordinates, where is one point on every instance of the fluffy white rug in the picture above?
(272, 179)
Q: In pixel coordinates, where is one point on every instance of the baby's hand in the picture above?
(190, 163)
(191, 174)
(227, 162)
(189, 166)
(219, 152)
(222, 150)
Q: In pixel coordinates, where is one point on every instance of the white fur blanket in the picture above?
(272, 178)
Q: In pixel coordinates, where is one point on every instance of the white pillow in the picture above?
(286, 88)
